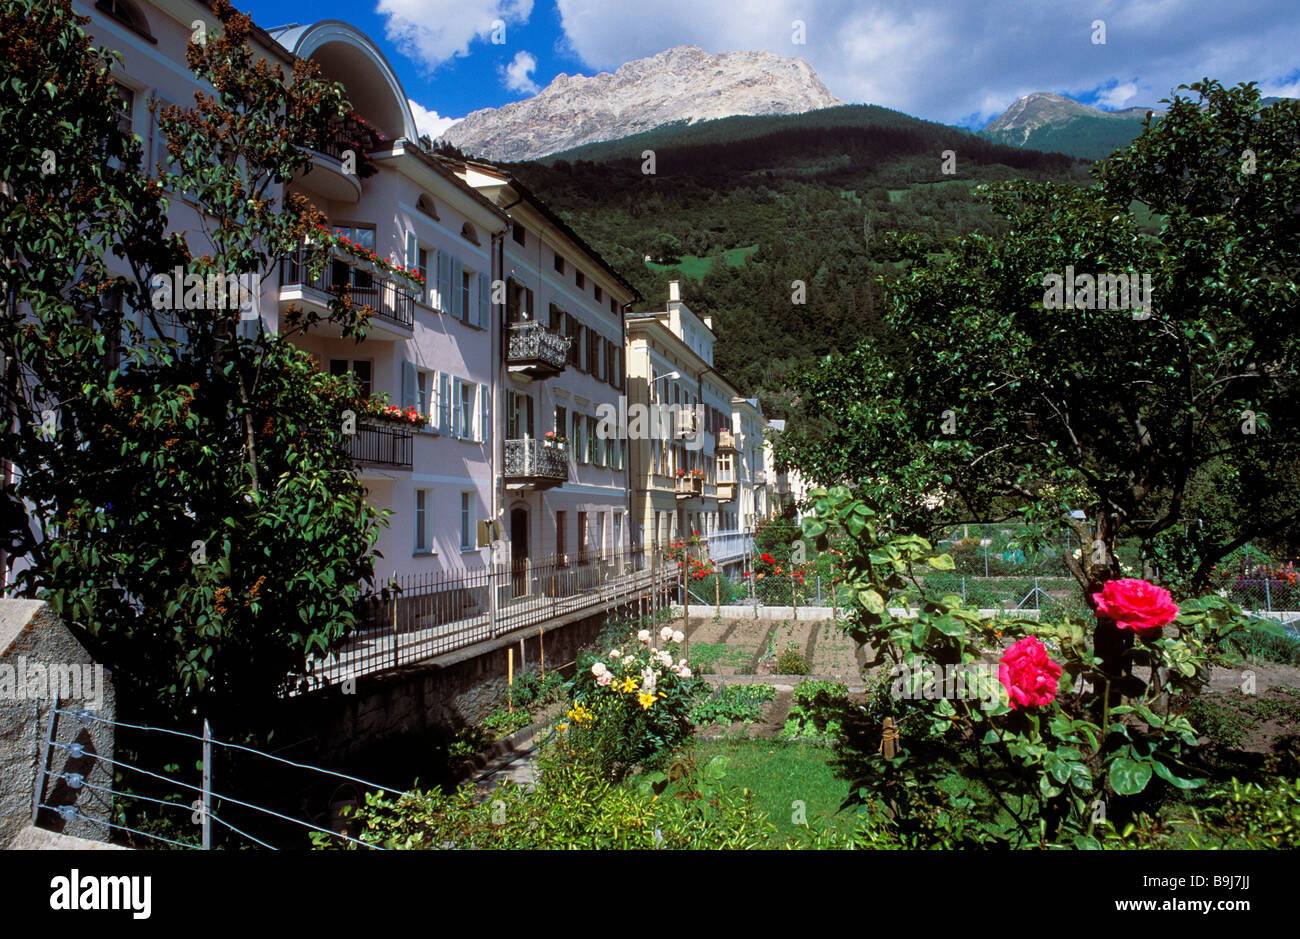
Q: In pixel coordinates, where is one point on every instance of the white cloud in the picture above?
(947, 60)
(517, 76)
(433, 31)
(1118, 97)
(430, 122)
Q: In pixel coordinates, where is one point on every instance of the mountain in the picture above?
(1055, 123)
(742, 208)
(683, 84)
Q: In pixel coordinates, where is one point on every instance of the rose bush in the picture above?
(1061, 747)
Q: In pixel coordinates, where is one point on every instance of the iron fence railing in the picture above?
(377, 445)
(431, 614)
(389, 300)
(532, 343)
(536, 459)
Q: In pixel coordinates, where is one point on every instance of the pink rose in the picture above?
(1027, 673)
(1135, 604)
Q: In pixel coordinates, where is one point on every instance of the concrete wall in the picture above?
(416, 704)
(32, 641)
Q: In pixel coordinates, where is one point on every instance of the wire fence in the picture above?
(176, 820)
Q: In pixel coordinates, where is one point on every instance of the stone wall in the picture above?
(412, 704)
(40, 660)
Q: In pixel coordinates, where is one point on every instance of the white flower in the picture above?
(666, 658)
(666, 633)
(681, 664)
(598, 669)
(679, 636)
(614, 654)
(628, 660)
(648, 680)
(643, 635)
(605, 679)
(685, 672)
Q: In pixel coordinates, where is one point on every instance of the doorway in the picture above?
(519, 552)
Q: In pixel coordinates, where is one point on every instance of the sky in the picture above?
(954, 61)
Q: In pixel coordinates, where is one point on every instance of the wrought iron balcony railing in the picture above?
(534, 462)
(534, 348)
(378, 445)
(390, 300)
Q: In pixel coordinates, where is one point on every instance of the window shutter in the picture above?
(483, 295)
(457, 430)
(409, 399)
(484, 415)
(532, 309)
(458, 290)
(412, 250)
(444, 282)
(444, 403)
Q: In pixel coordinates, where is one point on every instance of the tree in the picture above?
(989, 401)
(198, 518)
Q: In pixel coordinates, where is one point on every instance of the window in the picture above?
(617, 546)
(592, 441)
(582, 535)
(574, 330)
(726, 470)
(466, 279)
(600, 534)
(467, 408)
(469, 234)
(444, 403)
(128, 15)
(423, 521)
(359, 370)
(517, 233)
(559, 263)
(125, 120)
(519, 302)
(600, 294)
(561, 529)
(580, 279)
(425, 205)
(593, 353)
(422, 265)
(519, 416)
(580, 438)
(363, 236)
(561, 420)
(612, 308)
(467, 521)
(424, 393)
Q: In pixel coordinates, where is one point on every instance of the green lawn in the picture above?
(696, 267)
(779, 773)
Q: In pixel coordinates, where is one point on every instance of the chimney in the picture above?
(674, 291)
(708, 322)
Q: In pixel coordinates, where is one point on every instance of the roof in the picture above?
(546, 212)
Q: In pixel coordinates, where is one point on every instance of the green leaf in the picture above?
(920, 632)
(1129, 777)
(1165, 773)
(942, 562)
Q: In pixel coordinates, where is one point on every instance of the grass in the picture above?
(707, 657)
(696, 267)
(779, 773)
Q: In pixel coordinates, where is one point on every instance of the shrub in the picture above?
(573, 806)
(632, 704)
(502, 722)
(792, 662)
(1234, 816)
(731, 703)
(816, 710)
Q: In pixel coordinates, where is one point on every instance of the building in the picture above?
(702, 472)
(566, 484)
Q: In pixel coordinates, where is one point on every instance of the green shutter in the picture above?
(457, 290)
(483, 294)
(444, 282)
(485, 415)
(409, 394)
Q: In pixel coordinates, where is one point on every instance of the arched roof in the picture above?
(346, 55)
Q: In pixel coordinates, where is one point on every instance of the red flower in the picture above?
(1028, 674)
(1135, 604)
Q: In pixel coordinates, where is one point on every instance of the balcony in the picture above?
(726, 439)
(532, 465)
(393, 303)
(684, 423)
(329, 174)
(378, 445)
(535, 351)
(726, 491)
(760, 478)
(689, 487)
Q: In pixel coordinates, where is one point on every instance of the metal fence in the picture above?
(428, 615)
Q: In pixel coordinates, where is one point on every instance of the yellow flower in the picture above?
(579, 714)
(645, 700)
(629, 685)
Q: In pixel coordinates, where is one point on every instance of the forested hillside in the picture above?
(810, 196)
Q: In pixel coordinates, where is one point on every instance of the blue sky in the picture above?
(955, 61)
